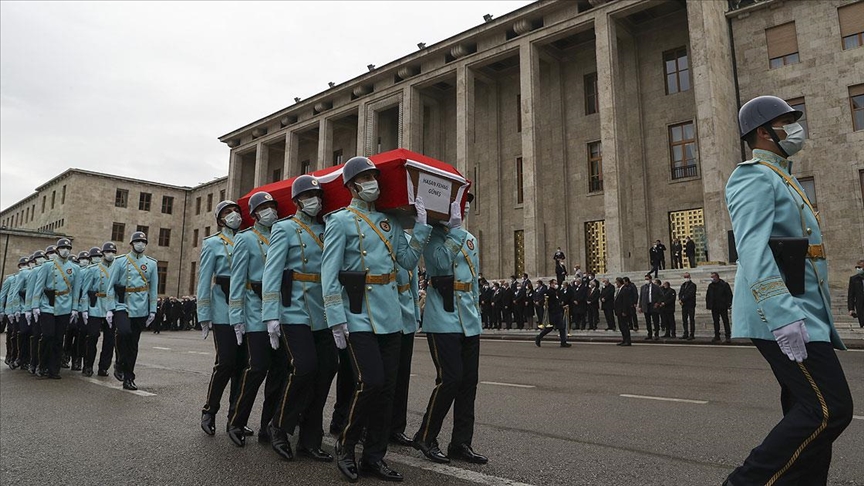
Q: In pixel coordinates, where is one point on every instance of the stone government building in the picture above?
(597, 126)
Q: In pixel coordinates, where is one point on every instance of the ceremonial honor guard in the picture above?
(294, 311)
(244, 312)
(782, 300)
(9, 309)
(214, 287)
(132, 293)
(101, 274)
(362, 248)
(452, 324)
(409, 303)
(73, 344)
(55, 291)
(94, 284)
(28, 338)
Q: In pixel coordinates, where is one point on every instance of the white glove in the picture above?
(109, 316)
(36, 313)
(205, 329)
(340, 335)
(86, 316)
(791, 339)
(17, 316)
(29, 316)
(239, 331)
(274, 331)
(455, 215)
(150, 319)
(74, 317)
(421, 214)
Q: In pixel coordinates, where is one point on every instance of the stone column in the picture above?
(464, 119)
(234, 177)
(716, 116)
(325, 144)
(412, 119)
(261, 163)
(529, 81)
(290, 166)
(362, 122)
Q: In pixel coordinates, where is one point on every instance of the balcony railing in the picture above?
(685, 171)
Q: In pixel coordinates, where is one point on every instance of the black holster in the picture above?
(120, 293)
(51, 294)
(790, 254)
(354, 283)
(285, 289)
(224, 283)
(444, 285)
(256, 287)
(91, 294)
(22, 295)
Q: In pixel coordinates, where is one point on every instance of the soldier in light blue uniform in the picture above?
(93, 282)
(362, 249)
(792, 327)
(214, 280)
(294, 311)
(133, 285)
(56, 289)
(451, 320)
(244, 312)
(29, 339)
(409, 303)
(10, 304)
(76, 333)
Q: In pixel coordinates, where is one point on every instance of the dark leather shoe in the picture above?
(279, 442)
(247, 431)
(566, 345)
(623, 344)
(129, 385)
(53, 377)
(465, 453)
(537, 341)
(380, 470)
(346, 463)
(118, 375)
(728, 341)
(102, 373)
(683, 337)
(208, 423)
(237, 436)
(401, 439)
(316, 454)
(691, 338)
(263, 436)
(716, 339)
(431, 451)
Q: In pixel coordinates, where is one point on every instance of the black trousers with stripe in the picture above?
(11, 340)
(263, 362)
(400, 396)
(817, 407)
(457, 361)
(231, 360)
(108, 350)
(344, 390)
(35, 339)
(127, 338)
(92, 329)
(313, 362)
(51, 342)
(375, 360)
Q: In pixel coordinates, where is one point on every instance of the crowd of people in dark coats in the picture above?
(176, 314)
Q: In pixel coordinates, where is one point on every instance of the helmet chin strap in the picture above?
(773, 134)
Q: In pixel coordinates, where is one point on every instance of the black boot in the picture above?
(237, 436)
(279, 442)
(431, 451)
(208, 423)
(346, 461)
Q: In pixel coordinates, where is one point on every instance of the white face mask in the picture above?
(53, 257)
(63, 252)
(368, 191)
(233, 220)
(83, 262)
(139, 246)
(467, 208)
(109, 256)
(97, 260)
(267, 217)
(794, 141)
(312, 206)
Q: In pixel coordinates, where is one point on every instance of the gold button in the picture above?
(809, 231)
(455, 264)
(305, 260)
(366, 269)
(362, 235)
(369, 287)
(821, 281)
(364, 252)
(304, 245)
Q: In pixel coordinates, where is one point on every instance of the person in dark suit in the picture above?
(528, 304)
(539, 299)
(559, 255)
(579, 307)
(634, 298)
(507, 305)
(555, 301)
(657, 256)
(519, 305)
(690, 251)
(667, 309)
(650, 296)
(624, 305)
(687, 299)
(677, 253)
(718, 299)
(607, 303)
(593, 305)
(560, 271)
(485, 303)
(855, 297)
(497, 297)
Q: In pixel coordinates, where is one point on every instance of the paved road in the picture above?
(565, 423)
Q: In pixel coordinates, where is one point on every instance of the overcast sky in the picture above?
(144, 89)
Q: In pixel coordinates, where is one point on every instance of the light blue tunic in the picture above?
(63, 277)
(125, 271)
(217, 254)
(453, 252)
(250, 253)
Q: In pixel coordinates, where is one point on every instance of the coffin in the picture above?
(404, 176)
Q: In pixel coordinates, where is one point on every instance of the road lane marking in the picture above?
(515, 385)
(452, 471)
(163, 349)
(203, 353)
(859, 417)
(106, 384)
(664, 399)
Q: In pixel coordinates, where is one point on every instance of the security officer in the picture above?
(55, 301)
(214, 280)
(73, 344)
(100, 275)
(452, 325)
(790, 320)
(132, 292)
(244, 313)
(409, 303)
(29, 335)
(362, 249)
(89, 311)
(9, 309)
(294, 311)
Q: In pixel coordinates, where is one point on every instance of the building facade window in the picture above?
(519, 113)
(595, 167)
(222, 194)
(809, 186)
(592, 98)
(210, 202)
(118, 231)
(206, 231)
(677, 67)
(852, 25)
(856, 102)
(337, 157)
(304, 166)
(143, 229)
(53, 198)
(193, 275)
(164, 237)
(121, 198)
(44, 198)
(167, 204)
(682, 149)
(782, 45)
(197, 205)
(861, 176)
(144, 201)
(63, 195)
(277, 175)
(162, 274)
(195, 238)
(798, 104)
(520, 188)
